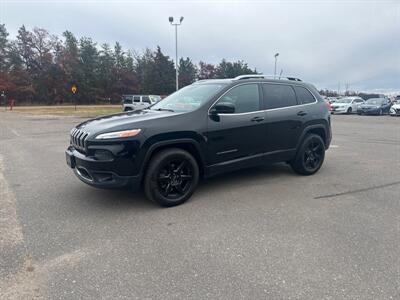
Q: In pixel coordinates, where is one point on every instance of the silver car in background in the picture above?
(347, 105)
(135, 102)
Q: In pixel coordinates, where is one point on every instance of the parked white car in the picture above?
(134, 102)
(395, 109)
(346, 105)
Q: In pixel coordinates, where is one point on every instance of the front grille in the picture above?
(78, 139)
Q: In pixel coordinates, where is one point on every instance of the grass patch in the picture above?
(85, 111)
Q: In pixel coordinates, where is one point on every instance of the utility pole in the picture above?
(276, 58)
(176, 24)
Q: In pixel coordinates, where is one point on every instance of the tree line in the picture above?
(40, 68)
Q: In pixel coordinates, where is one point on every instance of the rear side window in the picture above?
(278, 95)
(304, 95)
(136, 98)
(146, 99)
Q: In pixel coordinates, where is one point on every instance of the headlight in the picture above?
(118, 134)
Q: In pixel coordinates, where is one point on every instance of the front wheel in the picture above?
(172, 177)
(349, 110)
(310, 155)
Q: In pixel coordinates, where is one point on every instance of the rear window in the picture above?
(278, 95)
(303, 95)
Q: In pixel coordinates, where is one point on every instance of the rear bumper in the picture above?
(97, 173)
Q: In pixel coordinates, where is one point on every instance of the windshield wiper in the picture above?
(164, 109)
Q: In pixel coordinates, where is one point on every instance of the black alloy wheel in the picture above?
(313, 154)
(310, 155)
(172, 177)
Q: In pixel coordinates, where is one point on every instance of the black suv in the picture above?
(206, 128)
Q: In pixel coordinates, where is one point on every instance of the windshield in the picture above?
(345, 100)
(188, 98)
(375, 101)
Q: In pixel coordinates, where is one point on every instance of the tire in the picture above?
(359, 113)
(349, 110)
(380, 112)
(171, 177)
(310, 155)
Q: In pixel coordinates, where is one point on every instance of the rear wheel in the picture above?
(172, 177)
(349, 110)
(310, 155)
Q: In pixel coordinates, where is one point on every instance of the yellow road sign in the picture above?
(74, 89)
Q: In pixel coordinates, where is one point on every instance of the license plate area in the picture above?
(69, 157)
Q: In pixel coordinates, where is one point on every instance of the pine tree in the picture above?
(187, 72)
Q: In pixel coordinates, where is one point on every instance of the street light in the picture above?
(276, 58)
(176, 24)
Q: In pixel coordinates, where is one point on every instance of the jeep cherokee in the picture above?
(204, 129)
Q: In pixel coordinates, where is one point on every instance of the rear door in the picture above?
(136, 102)
(242, 133)
(284, 116)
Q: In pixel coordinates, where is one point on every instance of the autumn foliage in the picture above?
(40, 68)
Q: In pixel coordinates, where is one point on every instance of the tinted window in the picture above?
(278, 95)
(136, 98)
(127, 100)
(304, 95)
(146, 99)
(246, 98)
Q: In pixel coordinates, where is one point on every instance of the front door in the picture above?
(239, 134)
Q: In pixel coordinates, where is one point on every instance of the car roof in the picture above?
(250, 78)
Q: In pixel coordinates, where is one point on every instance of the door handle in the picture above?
(257, 119)
(301, 113)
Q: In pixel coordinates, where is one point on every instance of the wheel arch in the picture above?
(318, 129)
(189, 145)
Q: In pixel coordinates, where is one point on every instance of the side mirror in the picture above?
(223, 108)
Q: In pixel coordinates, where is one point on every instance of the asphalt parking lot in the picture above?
(263, 233)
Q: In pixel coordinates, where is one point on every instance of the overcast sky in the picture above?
(322, 42)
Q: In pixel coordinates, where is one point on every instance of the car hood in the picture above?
(396, 106)
(122, 121)
(369, 106)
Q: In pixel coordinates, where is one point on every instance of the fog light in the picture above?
(103, 155)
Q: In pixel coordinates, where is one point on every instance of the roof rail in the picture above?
(250, 76)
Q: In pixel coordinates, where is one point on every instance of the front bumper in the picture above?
(97, 173)
(394, 112)
(369, 111)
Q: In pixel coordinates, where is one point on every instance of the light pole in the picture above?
(276, 58)
(176, 24)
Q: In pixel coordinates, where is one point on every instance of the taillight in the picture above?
(329, 106)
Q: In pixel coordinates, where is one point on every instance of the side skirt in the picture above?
(250, 161)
